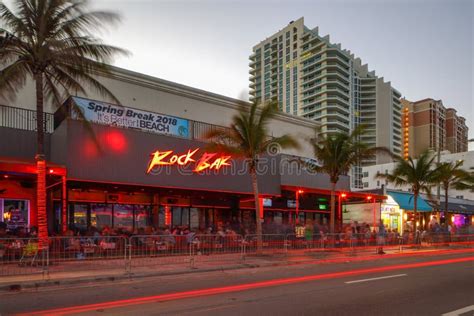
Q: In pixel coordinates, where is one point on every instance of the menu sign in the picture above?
(122, 116)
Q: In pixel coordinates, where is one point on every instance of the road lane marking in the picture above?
(460, 311)
(237, 288)
(379, 278)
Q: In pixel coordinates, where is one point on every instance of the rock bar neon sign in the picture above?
(207, 161)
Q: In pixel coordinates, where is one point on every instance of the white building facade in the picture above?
(370, 181)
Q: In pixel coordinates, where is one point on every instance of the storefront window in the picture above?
(16, 214)
(123, 216)
(101, 215)
(143, 216)
(180, 216)
(176, 216)
(80, 216)
(194, 218)
(161, 217)
(185, 216)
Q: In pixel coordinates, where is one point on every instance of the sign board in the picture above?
(207, 161)
(122, 116)
(291, 203)
(362, 213)
(267, 202)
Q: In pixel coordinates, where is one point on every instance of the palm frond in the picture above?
(57, 39)
(248, 135)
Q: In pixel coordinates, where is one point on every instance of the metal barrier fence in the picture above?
(270, 243)
(66, 254)
(155, 250)
(21, 256)
(87, 253)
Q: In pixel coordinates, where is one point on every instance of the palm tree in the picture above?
(451, 175)
(52, 42)
(336, 154)
(419, 175)
(248, 138)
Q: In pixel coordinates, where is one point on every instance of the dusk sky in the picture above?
(425, 48)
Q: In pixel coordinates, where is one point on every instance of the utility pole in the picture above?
(438, 161)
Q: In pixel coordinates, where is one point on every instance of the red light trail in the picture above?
(240, 287)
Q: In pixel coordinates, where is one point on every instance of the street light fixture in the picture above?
(369, 199)
(298, 192)
(340, 197)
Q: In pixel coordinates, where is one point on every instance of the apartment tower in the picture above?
(456, 132)
(429, 125)
(316, 79)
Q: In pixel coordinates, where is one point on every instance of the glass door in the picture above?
(80, 216)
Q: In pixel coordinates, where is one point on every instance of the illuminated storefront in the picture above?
(392, 215)
(405, 202)
(132, 177)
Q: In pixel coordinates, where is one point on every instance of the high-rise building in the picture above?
(424, 126)
(429, 125)
(316, 79)
(456, 132)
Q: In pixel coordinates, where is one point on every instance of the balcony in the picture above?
(331, 93)
(335, 116)
(310, 47)
(24, 119)
(339, 58)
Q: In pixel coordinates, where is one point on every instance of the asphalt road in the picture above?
(398, 286)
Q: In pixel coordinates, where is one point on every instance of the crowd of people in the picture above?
(306, 230)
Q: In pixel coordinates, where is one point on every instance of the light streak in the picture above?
(240, 287)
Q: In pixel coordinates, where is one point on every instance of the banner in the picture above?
(122, 116)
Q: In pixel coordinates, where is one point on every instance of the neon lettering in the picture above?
(207, 160)
(156, 159)
(185, 159)
(203, 164)
(223, 161)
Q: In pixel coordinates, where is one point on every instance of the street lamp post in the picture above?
(340, 197)
(298, 192)
(369, 199)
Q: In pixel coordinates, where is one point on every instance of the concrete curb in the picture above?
(19, 286)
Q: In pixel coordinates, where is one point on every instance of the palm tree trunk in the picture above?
(40, 164)
(258, 222)
(332, 220)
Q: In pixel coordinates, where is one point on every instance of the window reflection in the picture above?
(101, 215)
(142, 216)
(123, 216)
(80, 216)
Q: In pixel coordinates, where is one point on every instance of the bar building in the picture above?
(316, 79)
(121, 184)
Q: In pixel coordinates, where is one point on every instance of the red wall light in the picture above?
(51, 170)
(343, 195)
(369, 197)
(115, 141)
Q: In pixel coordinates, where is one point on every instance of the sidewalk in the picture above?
(69, 273)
